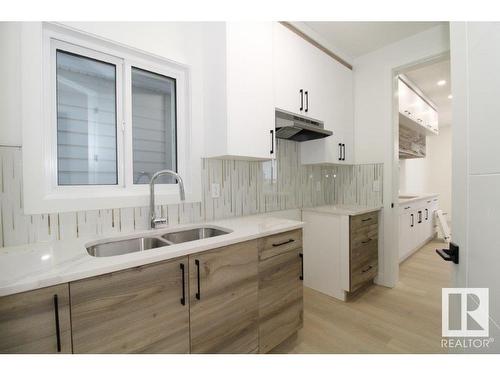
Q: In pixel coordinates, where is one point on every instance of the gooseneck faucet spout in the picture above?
(154, 220)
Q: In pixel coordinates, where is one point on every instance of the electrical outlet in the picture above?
(376, 185)
(215, 190)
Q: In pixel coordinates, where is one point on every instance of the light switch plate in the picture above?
(376, 185)
(215, 190)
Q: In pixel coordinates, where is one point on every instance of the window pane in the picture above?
(86, 121)
(154, 125)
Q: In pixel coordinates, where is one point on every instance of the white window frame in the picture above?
(41, 192)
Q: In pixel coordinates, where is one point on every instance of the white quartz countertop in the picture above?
(34, 266)
(415, 197)
(343, 209)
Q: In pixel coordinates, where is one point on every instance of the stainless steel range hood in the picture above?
(297, 128)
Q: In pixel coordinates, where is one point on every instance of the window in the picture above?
(86, 121)
(86, 99)
(99, 121)
(153, 125)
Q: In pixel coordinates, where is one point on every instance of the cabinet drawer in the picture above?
(280, 243)
(364, 235)
(363, 254)
(364, 220)
(362, 274)
(363, 264)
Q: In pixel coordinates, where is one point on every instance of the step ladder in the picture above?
(443, 225)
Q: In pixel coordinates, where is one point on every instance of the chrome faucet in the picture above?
(161, 220)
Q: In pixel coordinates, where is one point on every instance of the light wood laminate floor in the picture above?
(404, 319)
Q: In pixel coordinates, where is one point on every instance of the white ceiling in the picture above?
(358, 38)
(426, 79)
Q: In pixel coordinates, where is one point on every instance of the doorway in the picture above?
(423, 161)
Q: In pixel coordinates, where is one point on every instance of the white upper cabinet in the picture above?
(312, 84)
(239, 103)
(415, 112)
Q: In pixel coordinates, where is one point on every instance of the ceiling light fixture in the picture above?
(450, 96)
(441, 82)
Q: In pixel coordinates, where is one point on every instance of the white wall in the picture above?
(10, 86)
(431, 174)
(374, 119)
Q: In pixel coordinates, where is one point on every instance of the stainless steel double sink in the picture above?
(142, 243)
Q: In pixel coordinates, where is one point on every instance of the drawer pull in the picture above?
(301, 256)
(367, 219)
(367, 269)
(283, 243)
(56, 317)
(198, 293)
(183, 299)
(368, 240)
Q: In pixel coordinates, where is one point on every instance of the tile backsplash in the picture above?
(246, 187)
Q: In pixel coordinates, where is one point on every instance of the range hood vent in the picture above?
(297, 128)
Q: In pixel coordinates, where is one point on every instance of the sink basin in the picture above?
(193, 234)
(112, 248)
(407, 196)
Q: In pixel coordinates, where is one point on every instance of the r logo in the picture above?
(465, 312)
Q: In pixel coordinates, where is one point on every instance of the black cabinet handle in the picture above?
(367, 219)
(272, 142)
(301, 256)
(340, 151)
(368, 240)
(301, 100)
(412, 220)
(198, 294)
(183, 299)
(283, 243)
(343, 151)
(426, 214)
(419, 217)
(367, 269)
(56, 316)
(307, 101)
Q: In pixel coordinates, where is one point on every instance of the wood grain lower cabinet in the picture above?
(139, 310)
(36, 322)
(363, 249)
(280, 288)
(223, 285)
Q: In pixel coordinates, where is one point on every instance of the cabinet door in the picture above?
(36, 322)
(250, 93)
(409, 232)
(404, 235)
(334, 106)
(139, 310)
(280, 289)
(223, 288)
(289, 70)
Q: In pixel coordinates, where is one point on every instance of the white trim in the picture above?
(41, 193)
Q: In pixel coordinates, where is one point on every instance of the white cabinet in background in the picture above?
(239, 101)
(416, 225)
(312, 84)
(415, 112)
